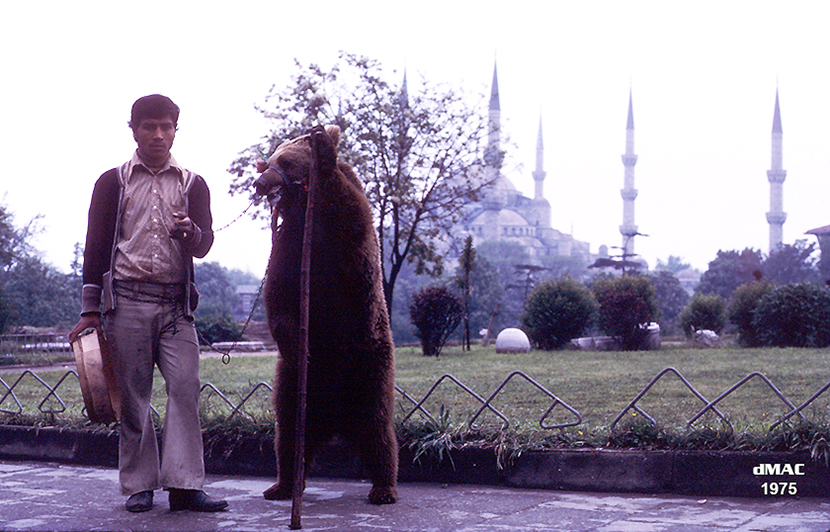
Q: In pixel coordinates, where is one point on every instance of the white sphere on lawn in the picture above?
(512, 340)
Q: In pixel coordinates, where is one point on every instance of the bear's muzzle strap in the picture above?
(279, 173)
(285, 180)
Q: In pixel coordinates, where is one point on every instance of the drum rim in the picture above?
(97, 377)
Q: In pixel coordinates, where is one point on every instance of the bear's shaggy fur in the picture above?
(351, 368)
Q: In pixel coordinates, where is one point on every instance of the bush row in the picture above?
(792, 315)
(558, 311)
(555, 312)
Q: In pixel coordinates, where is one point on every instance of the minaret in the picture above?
(540, 216)
(493, 200)
(539, 174)
(628, 229)
(494, 127)
(776, 176)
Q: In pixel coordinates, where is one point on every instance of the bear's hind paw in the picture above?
(278, 492)
(383, 495)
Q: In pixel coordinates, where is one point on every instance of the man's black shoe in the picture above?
(195, 500)
(140, 502)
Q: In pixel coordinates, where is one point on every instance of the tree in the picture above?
(238, 278)
(39, 295)
(504, 257)
(407, 284)
(466, 264)
(417, 153)
(14, 241)
(671, 296)
(32, 293)
(8, 238)
(562, 267)
(625, 261)
(489, 295)
(527, 275)
(728, 271)
(792, 263)
(218, 295)
(5, 311)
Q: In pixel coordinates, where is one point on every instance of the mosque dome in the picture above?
(498, 194)
(505, 217)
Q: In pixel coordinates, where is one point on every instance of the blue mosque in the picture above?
(505, 214)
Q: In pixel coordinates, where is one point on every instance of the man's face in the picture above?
(155, 138)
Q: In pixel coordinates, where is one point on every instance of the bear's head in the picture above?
(290, 163)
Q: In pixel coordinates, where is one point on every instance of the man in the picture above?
(148, 218)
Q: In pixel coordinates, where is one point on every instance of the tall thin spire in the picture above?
(541, 213)
(776, 116)
(776, 176)
(628, 229)
(539, 174)
(494, 129)
(495, 105)
(495, 198)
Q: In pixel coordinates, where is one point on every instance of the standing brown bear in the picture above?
(351, 364)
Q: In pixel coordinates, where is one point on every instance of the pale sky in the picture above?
(703, 76)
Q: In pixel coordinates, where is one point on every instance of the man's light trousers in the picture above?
(144, 332)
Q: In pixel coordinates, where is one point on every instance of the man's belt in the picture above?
(165, 291)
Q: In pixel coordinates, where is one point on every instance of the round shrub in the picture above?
(558, 311)
(704, 312)
(626, 306)
(742, 309)
(435, 312)
(793, 315)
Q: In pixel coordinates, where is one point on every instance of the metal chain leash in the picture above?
(253, 202)
(226, 355)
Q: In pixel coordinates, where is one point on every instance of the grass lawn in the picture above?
(600, 384)
(597, 384)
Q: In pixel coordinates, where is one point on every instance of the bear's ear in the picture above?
(334, 134)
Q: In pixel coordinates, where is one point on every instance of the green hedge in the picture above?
(741, 311)
(793, 315)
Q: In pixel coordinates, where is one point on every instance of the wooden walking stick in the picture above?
(302, 362)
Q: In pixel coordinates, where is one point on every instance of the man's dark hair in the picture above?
(153, 106)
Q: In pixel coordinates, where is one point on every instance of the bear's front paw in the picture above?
(278, 492)
(383, 495)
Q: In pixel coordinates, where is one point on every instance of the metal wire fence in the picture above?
(32, 394)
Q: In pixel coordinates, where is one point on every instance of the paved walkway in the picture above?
(41, 497)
